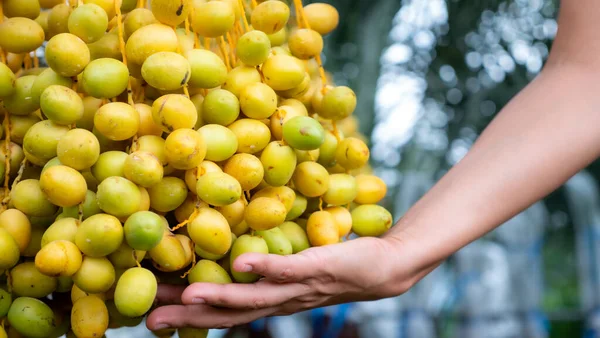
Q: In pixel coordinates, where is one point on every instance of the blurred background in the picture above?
(430, 75)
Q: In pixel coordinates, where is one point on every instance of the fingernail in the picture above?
(198, 300)
(160, 326)
(246, 268)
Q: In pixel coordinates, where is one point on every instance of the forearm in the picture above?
(541, 138)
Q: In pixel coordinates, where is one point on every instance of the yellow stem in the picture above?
(142, 94)
(231, 45)
(80, 212)
(27, 60)
(262, 77)
(321, 74)
(17, 180)
(253, 4)
(187, 26)
(2, 54)
(321, 203)
(302, 22)
(206, 43)
(185, 86)
(300, 17)
(122, 48)
(7, 152)
(137, 262)
(36, 60)
(39, 114)
(244, 19)
(193, 265)
(336, 132)
(224, 52)
(74, 85)
(237, 31)
(191, 218)
(196, 40)
(140, 4)
(191, 21)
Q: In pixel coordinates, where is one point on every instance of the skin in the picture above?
(544, 136)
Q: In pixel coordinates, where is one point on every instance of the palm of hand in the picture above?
(352, 271)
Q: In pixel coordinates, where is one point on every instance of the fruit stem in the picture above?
(135, 259)
(237, 32)
(6, 154)
(74, 86)
(39, 114)
(191, 22)
(188, 220)
(2, 54)
(27, 60)
(140, 4)
(262, 77)
(231, 45)
(336, 132)
(185, 86)
(122, 48)
(300, 9)
(36, 60)
(320, 203)
(244, 18)
(207, 44)
(321, 73)
(80, 212)
(187, 26)
(17, 179)
(224, 52)
(253, 4)
(190, 269)
(303, 23)
(139, 96)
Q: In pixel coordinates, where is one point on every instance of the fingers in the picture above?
(278, 268)
(263, 294)
(169, 294)
(201, 316)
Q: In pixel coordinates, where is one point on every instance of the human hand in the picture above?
(357, 270)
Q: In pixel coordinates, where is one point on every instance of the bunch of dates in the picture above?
(148, 142)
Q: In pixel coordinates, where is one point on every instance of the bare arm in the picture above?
(545, 135)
